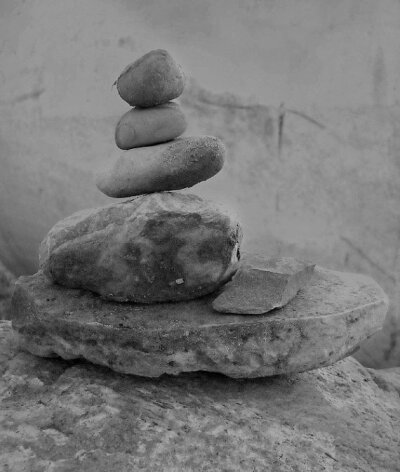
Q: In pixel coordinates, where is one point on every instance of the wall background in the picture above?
(305, 94)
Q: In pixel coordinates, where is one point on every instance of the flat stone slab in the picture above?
(325, 322)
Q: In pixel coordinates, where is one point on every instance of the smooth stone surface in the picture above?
(146, 126)
(263, 285)
(68, 417)
(152, 80)
(175, 165)
(159, 247)
(324, 323)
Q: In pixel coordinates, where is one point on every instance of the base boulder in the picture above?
(73, 416)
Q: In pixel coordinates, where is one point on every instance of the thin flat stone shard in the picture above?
(264, 285)
(324, 323)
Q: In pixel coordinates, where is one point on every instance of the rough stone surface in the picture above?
(263, 285)
(146, 126)
(159, 247)
(152, 80)
(387, 379)
(7, 280)
(73, 416)
(325, 322)
(175, 165)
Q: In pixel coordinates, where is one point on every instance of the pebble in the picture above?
(146, 126)
(175, 165)
(152, 80)
(161, 247)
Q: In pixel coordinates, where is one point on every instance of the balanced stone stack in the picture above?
(260, 317)
(160, 245)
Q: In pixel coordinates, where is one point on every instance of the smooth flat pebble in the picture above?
(175, 165)
(264, 285)
(165, 246)
(152, 80)
(147, 126)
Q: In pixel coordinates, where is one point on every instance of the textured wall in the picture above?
(304, 94)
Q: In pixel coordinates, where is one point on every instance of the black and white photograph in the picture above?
(199, 236)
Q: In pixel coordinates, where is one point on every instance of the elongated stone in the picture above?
(153, 248)
(175, 165)
(152, 80)
(146, 126)
(263, 285)
(325, 322)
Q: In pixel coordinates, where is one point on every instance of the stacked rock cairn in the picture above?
(159, 245)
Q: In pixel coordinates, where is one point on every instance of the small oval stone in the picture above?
(175, 165)
(146, 126)
(161, 247)
(152, 80)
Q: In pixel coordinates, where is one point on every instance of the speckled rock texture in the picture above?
(152, 80)
(175, 165)
(7, 280)
(160, 247)
(260, 286)
(73, 416)
(146, 126)
(324, 323)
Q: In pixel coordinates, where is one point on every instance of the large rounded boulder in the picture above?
(159, 247)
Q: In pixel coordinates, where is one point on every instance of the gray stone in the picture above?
(263, 285)
(387, 379)
(159, 247)
(152, 80)
(324, 323)
(68, 417)
(146, 126)
(175, 165)
(7, 280)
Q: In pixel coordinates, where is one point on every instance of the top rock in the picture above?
(152, 80)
